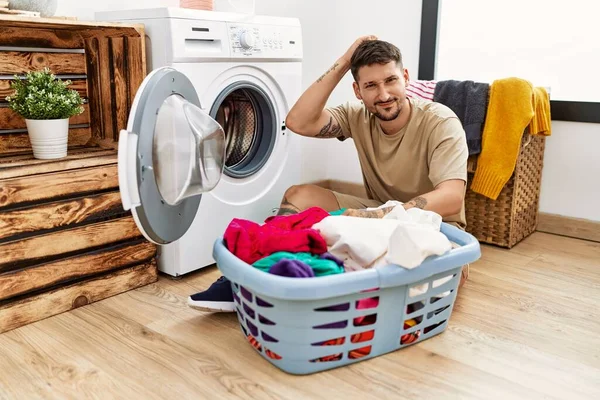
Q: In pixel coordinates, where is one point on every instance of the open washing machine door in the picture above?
(170, 153)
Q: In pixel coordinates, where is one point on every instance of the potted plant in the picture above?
(46, 104)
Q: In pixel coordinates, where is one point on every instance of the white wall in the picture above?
(484, 49)
(571, 174)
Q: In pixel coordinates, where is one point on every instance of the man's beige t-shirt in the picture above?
(428, 150)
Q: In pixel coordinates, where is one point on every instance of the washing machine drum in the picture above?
(170, 153)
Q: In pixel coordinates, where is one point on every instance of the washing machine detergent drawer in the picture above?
(170, 153)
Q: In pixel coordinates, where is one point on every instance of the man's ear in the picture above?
(356, 91)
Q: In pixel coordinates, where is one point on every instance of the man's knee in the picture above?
(299, 195)
(306, 196)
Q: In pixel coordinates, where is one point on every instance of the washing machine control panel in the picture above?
(264, 41)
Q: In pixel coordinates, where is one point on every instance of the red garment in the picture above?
(250, 242)
(370, 302)
(256, 344)
(304, 220)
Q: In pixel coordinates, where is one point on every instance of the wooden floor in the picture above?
(526, 325)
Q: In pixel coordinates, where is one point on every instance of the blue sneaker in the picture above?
(217, 298)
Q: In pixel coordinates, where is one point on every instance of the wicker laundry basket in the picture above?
(514, 214)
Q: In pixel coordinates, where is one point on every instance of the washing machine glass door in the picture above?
(170, 153)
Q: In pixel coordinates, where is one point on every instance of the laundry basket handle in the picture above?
(467, 252)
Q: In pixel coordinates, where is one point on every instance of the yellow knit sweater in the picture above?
(513, 104)
(540, 124)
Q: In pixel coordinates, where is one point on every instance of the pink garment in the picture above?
(369, 302)
(421, 89)
(250, 241)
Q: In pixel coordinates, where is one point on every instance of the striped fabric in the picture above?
(421, 89)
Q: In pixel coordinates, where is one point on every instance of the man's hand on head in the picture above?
(348, 55)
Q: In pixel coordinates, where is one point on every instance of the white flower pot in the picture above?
(48, 137)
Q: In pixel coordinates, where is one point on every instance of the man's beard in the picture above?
(388, 117)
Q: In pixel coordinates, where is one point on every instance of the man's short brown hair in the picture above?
(374, 52)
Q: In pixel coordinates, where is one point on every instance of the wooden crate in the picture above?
(65, 240)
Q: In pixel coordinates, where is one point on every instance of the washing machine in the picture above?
(206, 140)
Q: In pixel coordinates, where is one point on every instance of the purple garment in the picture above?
(333, 325)
(331, 257)
(298, 269)
(292, 269)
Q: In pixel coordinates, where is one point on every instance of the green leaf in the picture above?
(40, 95)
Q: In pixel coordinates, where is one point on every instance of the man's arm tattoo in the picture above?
(378, 213)
(287, 208)
(418, 202)
(328, 71)
(330, 130)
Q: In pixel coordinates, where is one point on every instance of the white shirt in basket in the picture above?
(402, 237)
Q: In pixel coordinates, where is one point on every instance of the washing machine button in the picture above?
(247, 40)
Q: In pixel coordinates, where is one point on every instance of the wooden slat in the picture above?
(108, 143)
(85, 28)
(44, 305)
(136, 65)
(82, 157)
(72, 240)
(59, 214)
(26, 156)
(80, 85)
(106, 87)
(58, 184)
(120, 104)
(47, 275)
(11, 120)
(11, 142)
(59, 39)
(94, 93)
(21, 62)
(569, 226)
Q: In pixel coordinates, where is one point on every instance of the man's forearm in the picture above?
(307, 110)
(363, 213)
(442, 202)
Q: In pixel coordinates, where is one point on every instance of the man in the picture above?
(410, 150)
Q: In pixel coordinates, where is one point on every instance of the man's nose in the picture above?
(382, 93)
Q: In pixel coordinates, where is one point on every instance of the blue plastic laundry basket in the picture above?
(306, 325)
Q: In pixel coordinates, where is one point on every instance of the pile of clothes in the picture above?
(316, 243)
(284, 245)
